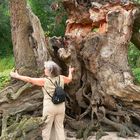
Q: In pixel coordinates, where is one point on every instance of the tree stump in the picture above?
(102, 95)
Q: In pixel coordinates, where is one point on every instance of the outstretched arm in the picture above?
(35, 81)
(68, 79)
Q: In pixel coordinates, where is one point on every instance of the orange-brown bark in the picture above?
(82, 21)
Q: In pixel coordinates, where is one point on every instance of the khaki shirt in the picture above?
(50, 87)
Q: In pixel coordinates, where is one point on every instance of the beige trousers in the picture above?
(54, 128)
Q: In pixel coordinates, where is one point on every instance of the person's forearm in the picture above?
(68, 79)
(24, 78)
(35, 81)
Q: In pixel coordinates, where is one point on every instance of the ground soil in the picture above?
(70, 135)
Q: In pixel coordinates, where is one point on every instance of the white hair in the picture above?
(52, 67)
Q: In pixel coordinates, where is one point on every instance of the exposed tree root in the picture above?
(14, 96)
(18, 107)
(102, 90)
(20, 130)
(100, 133)
(124, 131)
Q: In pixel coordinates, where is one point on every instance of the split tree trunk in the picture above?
(96, 44)
(101, 35)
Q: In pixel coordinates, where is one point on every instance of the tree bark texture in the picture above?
(24, 56)
(102, 92)
(29, 42)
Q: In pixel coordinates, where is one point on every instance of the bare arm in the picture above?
(35, 81)
(68, 79)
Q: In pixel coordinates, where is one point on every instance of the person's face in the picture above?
(46, 72)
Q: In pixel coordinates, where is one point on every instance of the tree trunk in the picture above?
(29, 50)
(20, 23)
(102, 92)
(19, 101)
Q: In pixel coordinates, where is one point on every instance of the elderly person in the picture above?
(54, 113)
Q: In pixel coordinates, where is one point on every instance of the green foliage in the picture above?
(136, 73)
(133, 56)
(95, 30)
(6, 61)
(53, 21)
(4, 78)
(5, 34)
(137, 1)
(6, 65)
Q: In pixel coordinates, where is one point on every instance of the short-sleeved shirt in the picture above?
(50, 87)
(48, 106)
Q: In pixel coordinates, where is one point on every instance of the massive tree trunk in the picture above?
(29, 50)
(96, 43)
(101, 36)
(20, 23)
(21, 100)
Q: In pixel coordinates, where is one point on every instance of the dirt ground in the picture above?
(110, 136)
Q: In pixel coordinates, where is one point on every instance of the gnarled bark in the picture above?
(102, 91)
(107, 79)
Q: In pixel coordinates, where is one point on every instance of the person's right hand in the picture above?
(14, 74)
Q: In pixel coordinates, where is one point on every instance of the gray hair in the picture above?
(53, 68)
